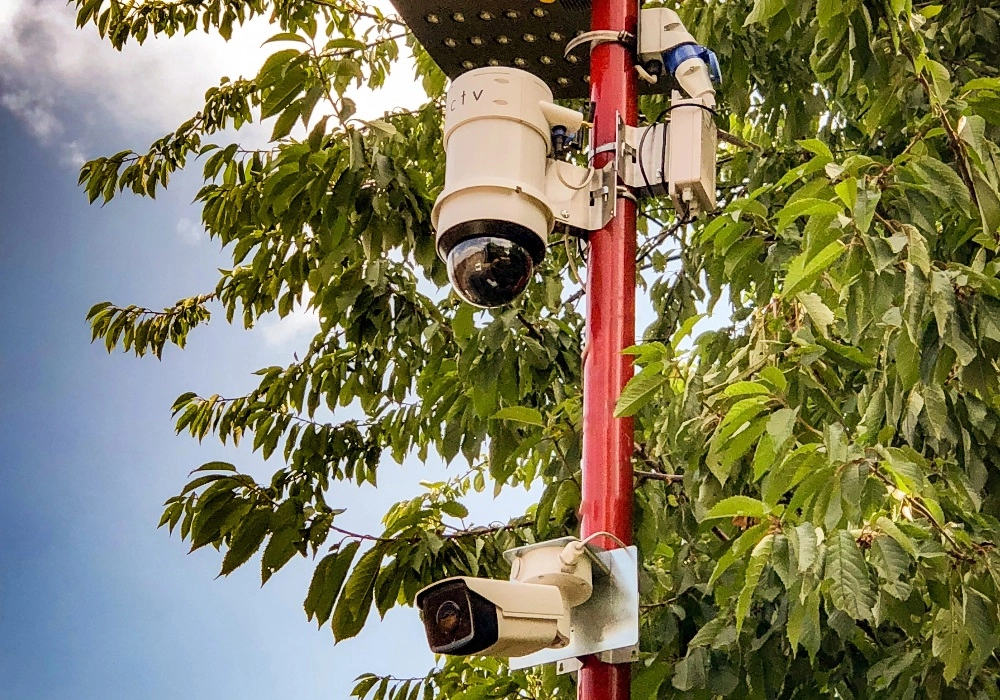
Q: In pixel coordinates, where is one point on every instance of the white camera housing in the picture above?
(530, 612)
(464, 616)
(504, 190)
(497, 138)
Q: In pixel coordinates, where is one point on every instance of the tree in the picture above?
(818, 482)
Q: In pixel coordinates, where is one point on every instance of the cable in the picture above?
(699, 105)
(642, 162)
(645, 74)
(586, 180)
(571, 553)
(584, 542)
(598, 37)
(663, 157)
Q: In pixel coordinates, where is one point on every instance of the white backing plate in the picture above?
(609, 620)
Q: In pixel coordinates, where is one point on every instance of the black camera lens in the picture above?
(456, 620)
(448, 618)
(489, 271)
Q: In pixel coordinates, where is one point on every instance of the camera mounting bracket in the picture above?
(607, 624)
(582, 198)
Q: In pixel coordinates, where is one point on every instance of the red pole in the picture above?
(608, 441)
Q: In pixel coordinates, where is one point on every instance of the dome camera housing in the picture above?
(493, 218)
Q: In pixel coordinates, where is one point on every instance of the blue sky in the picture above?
(94, 601)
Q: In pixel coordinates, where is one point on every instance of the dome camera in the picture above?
(495, 214)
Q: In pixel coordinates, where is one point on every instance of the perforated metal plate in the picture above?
(525, 34)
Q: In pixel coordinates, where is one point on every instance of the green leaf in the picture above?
(846, 570)
(846, 355)
(211, 516)
(755, 567)
(802, 272)
(803, 626)
(741, 545)
(819, 312)
(780, 425)
(740, 414)
(917, 253)
(708, 632)
(763, 10)
(775, 377)
(640, 390)
(979, 617)
(383, 126)
(736, 506)
(942, 180)
(745, 389)
(936, 408)
(816, 147)
(893, 566)
(805, 544)
(520, 414)
(285, 121)
(279, 550)
(287, 36)
(691, 672)
(806, 207)
(356, 601)
(455, 509)
(328, 579)
(864, 208)
(247, 539)
(950, 643)
(214, 467)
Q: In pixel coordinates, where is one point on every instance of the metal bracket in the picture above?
(607, 625)
(643, 158)
(582, 198)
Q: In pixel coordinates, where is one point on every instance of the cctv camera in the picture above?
(465, 615)
(494, 217)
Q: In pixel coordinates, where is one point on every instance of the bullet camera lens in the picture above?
(489, 271)
(449, 617)
(456, 620)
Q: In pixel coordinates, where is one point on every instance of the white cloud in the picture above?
(68, 84)
(301, 323)
(9, 9)
(72, 155)
(189, 232)
(152, 87)
(36, 110)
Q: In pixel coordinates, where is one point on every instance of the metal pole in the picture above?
(608, 441)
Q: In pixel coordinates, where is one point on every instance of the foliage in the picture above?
(818, 481)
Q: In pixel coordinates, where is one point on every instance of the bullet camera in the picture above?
(496, 212)
(528, 613)
(464, 616)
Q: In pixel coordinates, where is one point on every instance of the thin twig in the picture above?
(657, 476)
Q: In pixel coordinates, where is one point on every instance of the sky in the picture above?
(95, 602)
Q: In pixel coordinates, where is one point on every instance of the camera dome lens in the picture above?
(489, 271)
